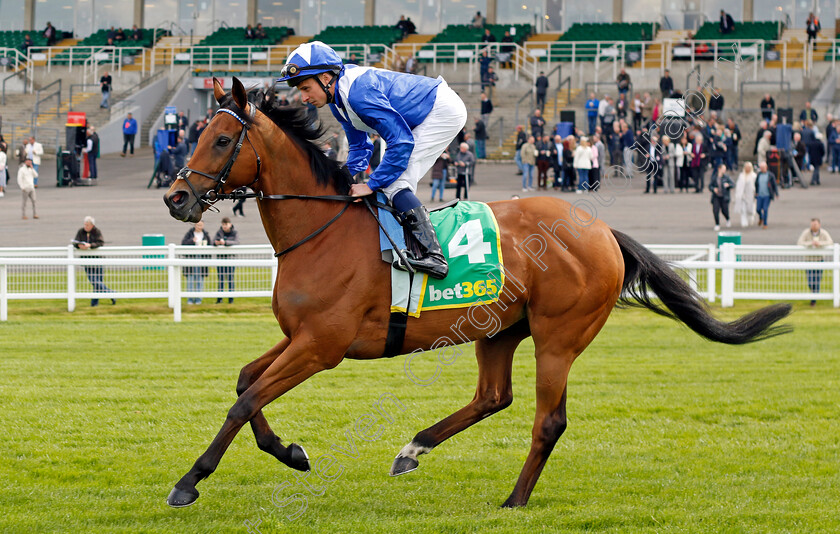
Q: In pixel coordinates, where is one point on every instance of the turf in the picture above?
(104, 409)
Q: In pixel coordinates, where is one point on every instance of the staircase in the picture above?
(403, 50)
(61, 46)
(795, 40)
(278, 54)
(508, 148)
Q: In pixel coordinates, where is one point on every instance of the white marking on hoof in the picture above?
(412, 450)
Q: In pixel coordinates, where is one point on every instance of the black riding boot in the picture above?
(426, 251)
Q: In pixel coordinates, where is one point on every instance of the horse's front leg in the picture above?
(302, 359)
(294, 455)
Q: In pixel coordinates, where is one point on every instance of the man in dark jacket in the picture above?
(89, 237)
(195, 133)
(767, 106)
(720, 184)
(179, 153)
(716, 102)
(480, 131)
(808, 113)
(666, 84)
(226, 236)
(537, 124)
(486, 108)
(727, 25)
(816, 152)
(542, 88)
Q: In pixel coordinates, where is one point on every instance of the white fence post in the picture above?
(175, 293)
(4, 290)
(173, 276)
(71, 281)
(727, 276)
(711, 275)
(836, 285)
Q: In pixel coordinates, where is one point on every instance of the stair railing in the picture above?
(73, 88)
(568, 83)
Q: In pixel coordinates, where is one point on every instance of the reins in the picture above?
(215, 195)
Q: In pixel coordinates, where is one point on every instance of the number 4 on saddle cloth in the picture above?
(469, 236)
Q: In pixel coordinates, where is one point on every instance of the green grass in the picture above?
(104, 409)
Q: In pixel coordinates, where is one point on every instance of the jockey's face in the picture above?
(312, 92)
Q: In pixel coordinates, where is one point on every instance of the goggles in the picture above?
(290, 70)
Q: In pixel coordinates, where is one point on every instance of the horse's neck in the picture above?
(288, 221)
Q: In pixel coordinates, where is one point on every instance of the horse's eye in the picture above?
(223, 141)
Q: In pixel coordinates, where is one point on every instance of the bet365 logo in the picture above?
(464, 290)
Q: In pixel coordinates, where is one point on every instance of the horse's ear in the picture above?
(218, 92)
(238, 93)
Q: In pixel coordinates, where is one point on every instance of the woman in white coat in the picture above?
(583, 164)
(745, 195)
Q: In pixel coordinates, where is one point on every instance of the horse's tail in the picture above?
(645, 272)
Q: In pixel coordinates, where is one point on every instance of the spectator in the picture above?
(26, 181)
(120, 36)
(727, 25)
(209, 115)
(486, 108)
(195, 133)
(599, 160)
(729, 150)
(762, 127)
(621, 107)
(91, 151)
(653, 163)
(410, 65)
(544, 148)
(3, 168)
(764, 146)
(34, 151)
(440, 171)
(765, 191)
(464, 162)
(816, 152)
(27, 42)
(834, 144)
(136, 33)
(699, 160)
(239, 205)
(507, 49)
(745, 195)
(812, 27)
(521, 139)
(569, 174)
(647, 108)
(478, 20)
(49, 34)
(112, 34)
(716, 102)
(592, 108)
(528, 154)
(799, 151)
(488, 83)
(808, 114)
(226, 236)
(259, 32)
(89, 237)
(105, 86)
(488, 37)
(537, 124)
(541, 90)
(129, 131)
(767, 105)
(196, 275)
(814, 238)
(250, 33)
(720, 185)
(179, 152)
(627, 140)
(402, 25)
(623, 82)
(412, 29)
(736, 139)
(637, 113)
(583, 164)
(608, 117)
(669, 168)
(684, 157)
(183, 121)
(556, 160)
(484, 61)
(666, 84)
(480, 131)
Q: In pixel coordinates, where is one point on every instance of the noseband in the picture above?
(212, 196)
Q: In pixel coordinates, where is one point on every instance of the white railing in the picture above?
(740, 272)
(115, 56)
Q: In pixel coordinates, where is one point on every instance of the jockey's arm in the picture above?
(360, 148)
(374, 109)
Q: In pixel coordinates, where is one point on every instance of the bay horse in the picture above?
(565, 272)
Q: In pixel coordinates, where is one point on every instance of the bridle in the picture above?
(212, 196)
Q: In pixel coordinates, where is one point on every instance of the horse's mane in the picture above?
(295, 123)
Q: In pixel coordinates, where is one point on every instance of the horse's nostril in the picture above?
(178, 198)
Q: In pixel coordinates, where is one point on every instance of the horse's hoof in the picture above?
(179, 498)
(298, 459)
(403, 465)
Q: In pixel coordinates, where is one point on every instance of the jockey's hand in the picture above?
(360, 190)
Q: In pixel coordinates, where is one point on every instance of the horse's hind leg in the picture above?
(294, 455)
(493, 393)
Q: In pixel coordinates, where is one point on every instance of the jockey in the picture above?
(418, 117)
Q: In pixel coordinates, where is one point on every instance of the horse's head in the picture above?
(224, 159)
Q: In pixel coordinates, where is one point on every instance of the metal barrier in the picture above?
(780, 83)
(744, 272)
